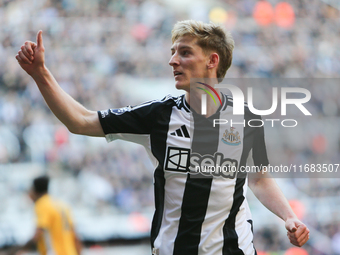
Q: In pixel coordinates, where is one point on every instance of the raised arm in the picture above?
(270, 195)
(72, 114)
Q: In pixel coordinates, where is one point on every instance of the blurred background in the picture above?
(113, 53)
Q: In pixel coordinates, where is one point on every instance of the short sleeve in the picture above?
(42, 217)
(129, 120)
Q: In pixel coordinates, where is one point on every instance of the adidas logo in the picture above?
(182, 132)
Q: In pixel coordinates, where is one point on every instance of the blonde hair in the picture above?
(210, 37)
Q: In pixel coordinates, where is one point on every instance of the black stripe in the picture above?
(158, 148)
(253, 139)
(225, 102)
(185, 131)
(197, 190)
(159, 183)
(252, 231)
(230, 246)
(251, 225)
(183, 104)
(173, 133)
(179, 133)
(194, 207)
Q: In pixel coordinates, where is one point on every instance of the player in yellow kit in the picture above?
(54, 232)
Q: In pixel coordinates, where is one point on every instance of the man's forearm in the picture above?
(270, 195)
(71, 113)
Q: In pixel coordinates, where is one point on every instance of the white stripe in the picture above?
(218, 210)
(243, 229)
(222, 192)
(174, 188)
(204, 104)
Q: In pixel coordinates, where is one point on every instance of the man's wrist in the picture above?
(290, 217)
(39, 72)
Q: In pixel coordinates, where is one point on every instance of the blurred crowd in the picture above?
(92, 45)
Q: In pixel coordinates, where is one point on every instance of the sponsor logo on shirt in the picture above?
(177, 159)
(182, 160)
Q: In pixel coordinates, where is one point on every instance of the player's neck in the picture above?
(38, 196)
(195, 102)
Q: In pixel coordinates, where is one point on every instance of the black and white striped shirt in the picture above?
(194, 215)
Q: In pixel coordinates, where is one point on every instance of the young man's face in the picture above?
(188, 61)
(32, 194)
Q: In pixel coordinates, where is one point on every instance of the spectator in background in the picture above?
(54, 232)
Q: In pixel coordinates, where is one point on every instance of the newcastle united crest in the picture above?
(231, 138)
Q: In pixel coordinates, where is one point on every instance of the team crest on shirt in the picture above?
(231, 138)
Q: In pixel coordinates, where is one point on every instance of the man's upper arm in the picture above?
(43, 219)
(92, 126)
(255, 177)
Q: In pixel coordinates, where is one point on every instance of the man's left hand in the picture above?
(297, 232)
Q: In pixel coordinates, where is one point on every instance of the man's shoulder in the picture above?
(43, 203)
(167, 101)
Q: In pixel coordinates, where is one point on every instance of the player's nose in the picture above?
(174, 60)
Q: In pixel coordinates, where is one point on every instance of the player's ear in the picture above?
(213, 60)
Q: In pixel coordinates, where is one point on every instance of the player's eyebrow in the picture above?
(182, 47)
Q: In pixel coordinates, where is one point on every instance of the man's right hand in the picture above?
(72, 114)
(31, 56)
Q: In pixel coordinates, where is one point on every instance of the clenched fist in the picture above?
(297, 232)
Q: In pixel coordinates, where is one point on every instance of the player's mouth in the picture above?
(177, 74)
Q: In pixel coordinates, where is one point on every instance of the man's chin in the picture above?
(182, 86)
